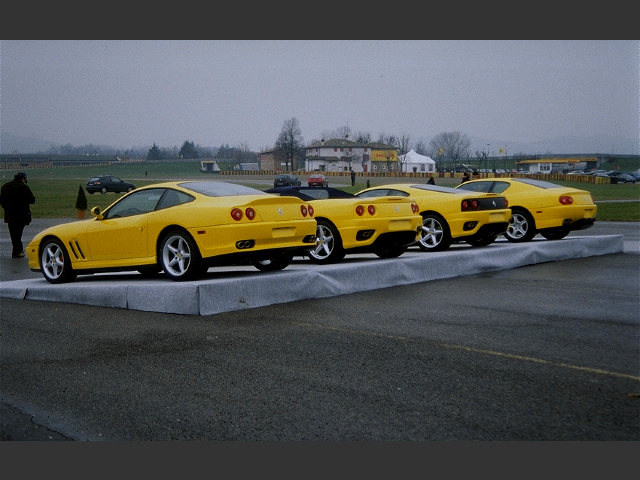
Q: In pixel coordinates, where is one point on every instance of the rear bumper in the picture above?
(486, 230)
(581, 224)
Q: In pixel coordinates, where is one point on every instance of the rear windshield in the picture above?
(220, 189)
(536, 183)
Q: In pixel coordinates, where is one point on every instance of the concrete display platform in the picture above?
(226, 289)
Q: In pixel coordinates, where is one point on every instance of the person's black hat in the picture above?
(20, 175)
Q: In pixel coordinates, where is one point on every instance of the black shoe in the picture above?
(19, 255)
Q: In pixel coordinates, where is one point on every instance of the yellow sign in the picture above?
(384, 156)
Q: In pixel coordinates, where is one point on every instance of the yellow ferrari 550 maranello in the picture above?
(450, 215)
(181, 228)
(348, 224)
(539, 206)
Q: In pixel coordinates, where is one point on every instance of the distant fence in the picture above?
(538, 176)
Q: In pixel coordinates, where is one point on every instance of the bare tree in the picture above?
(420, 148)
(449, 146)
(339, 133)
(363, 138)
(290, 142)
(403, 147)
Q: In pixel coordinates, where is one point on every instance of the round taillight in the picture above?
(566, 200)
(506, 203)
(371, 209)
(465, 205)
(236, 214)
(303, 209)
(250, 213)
(415, 208)
(474, 204)
(311, 210)
(360, 210)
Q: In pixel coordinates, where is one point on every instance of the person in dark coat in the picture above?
(15, 198)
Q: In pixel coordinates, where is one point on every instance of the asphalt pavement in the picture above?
(545, 352)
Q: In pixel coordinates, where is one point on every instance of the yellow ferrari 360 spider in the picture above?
(539, 206)
(348, 224)
(181, 228)
(450, 215)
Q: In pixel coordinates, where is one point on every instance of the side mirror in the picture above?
(95, 211)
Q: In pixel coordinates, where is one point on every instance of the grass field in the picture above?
(56, 188)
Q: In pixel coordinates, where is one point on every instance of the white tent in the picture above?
(414, 162)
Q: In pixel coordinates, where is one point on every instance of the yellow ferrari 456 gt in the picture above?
(348, 224)
(450, 215)
(540, 207)
(181, 228)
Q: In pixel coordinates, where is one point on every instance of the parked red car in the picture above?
(318, 180)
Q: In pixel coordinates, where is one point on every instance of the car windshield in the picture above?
(220, 189)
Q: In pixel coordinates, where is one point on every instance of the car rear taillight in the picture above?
(359, 210)
(565, 200)
(371, 209)
(303, 210)
(236, 214)
(506, 203)
(250, 213)
(311, 210)
(415, 208)
(469, 205)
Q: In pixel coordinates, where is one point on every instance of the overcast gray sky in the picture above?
(134, 93)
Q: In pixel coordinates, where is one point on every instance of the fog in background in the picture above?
(529, 96)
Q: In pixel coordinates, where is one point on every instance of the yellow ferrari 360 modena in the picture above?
(449, 215)
(181, 228)
(539, 206)
(348, 224)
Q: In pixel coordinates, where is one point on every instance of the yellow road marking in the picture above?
(485, 352)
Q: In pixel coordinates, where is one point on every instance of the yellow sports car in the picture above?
(539, 207)
(450, 215)
(181, 228)
(347, 224)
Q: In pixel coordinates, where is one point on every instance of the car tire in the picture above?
(482, 242)
(55, 263)
(555, 233)
(179, 257)
(277, 262)
(435, 235)
(103, 190)
(521, 226)
(328, 247)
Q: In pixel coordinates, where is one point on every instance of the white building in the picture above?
(340, 155)
(416, 163)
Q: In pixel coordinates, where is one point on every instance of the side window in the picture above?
(484, 187)
(171, 198)
(374, 193)
(144, 201)
(398, 193)
(499, 187)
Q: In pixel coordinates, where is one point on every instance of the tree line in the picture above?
(445, 148)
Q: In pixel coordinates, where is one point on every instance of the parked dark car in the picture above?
(622, 178)
(108, 183)
(286, 180)
(310, 193)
